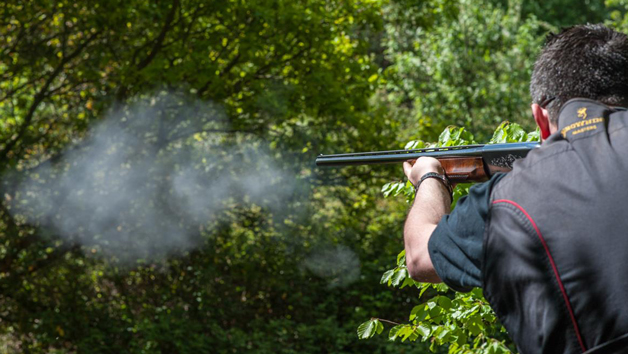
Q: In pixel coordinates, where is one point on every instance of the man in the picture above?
(547, 242)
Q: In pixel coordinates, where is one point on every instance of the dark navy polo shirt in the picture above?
(455, 246)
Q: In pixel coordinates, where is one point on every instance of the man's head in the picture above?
(587, 61)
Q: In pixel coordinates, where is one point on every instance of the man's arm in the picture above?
(430, 204)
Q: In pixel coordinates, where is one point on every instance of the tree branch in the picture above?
(228, 68)
(41, 95)
(158, 43)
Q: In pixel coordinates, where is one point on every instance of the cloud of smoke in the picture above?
(339, 265)
(139, 187)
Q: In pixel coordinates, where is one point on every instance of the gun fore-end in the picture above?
(464, 169)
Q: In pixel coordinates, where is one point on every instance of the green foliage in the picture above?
(268, 75)
(291, 78)
(469, 65)
(512, 133)
(618, 14)
(453, 136)
(555, 14)
(395, 188)
(464, 322)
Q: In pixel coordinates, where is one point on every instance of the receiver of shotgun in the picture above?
(465, 163)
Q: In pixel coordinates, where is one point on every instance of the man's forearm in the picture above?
(431, 203)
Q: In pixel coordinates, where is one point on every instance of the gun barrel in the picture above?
(395, 156)
(495, 154)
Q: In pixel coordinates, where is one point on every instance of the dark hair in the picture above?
(588, 61)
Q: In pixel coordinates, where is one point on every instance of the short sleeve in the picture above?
(455, 246)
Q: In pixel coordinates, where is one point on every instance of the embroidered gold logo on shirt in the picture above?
(582, 113)
(585, 125)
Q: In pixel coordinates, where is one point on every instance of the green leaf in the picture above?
(442, 334)
(516, 133)
(399, 276)
(415, 144)
(401, 258)
(408, 332)
(395, 331)
(387, 189)
(499, 136)
(474, 325)
(369, 328)
(399, 188)
(534, 136)
(442, 287)
(461, 339)
(380, 327)
(407, 282)
(445, 136)
(444, 302)
(425, 287)
(497, 348)
(424, 331)
(418, 313)
(453, 136)
(386, 277)
(510, 133)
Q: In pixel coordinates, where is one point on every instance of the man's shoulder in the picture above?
(541, 163)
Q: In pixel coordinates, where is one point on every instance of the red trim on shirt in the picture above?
(551, 259)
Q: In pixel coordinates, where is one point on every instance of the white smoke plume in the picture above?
(338, 265)
(144, 181)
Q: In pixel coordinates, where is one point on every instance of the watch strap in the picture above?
(441, 177)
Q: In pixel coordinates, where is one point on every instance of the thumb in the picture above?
(407, 168)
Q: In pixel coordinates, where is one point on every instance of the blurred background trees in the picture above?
(288, 260)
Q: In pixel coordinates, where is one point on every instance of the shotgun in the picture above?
(464, 163)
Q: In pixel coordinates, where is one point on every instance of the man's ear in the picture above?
(541, 117)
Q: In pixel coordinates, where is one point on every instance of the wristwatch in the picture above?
(438, 176)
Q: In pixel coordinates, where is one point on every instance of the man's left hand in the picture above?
(414, 170)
